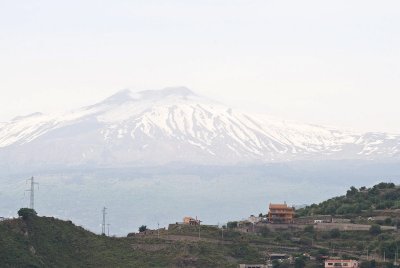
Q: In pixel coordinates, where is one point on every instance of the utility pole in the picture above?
(103, 225)
(32, 192)
(158, 230)
(108, 229)
(199, 221)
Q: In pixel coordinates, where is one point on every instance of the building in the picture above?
(341, 263)
(191, 221)
(280, 213)
(313, 219)
(253, 219)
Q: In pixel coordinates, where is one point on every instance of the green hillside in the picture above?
(48, 242)
(379, 197)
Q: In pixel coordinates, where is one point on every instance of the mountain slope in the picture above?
(176, 125)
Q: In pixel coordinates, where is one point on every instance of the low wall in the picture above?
(317, 226)
(348, 227)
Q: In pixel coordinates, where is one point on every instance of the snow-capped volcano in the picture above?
(174, 124)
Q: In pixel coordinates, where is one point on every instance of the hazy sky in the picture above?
(327, 62)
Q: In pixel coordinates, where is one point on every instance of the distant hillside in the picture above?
(379, 197)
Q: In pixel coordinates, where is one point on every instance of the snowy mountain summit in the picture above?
(156, 127)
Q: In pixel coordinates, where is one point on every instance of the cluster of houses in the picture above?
(281, 216)
(327, 261)
(330, 263)
(278, 214)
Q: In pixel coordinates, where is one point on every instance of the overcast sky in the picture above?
(327, 62)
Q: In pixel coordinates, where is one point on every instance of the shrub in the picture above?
(264, 231)
(323, 251)
(375, 229)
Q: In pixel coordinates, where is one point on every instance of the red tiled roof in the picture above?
(278, 206)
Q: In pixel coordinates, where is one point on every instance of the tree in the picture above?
(142, 228)
(388, 221)
(389, 265)
(353, 190)
(309, 229)
(280, 264)
(375, 229)
(334, 233)
(275, 263)
(299, 262)
(389, 248)
(364, 264)
(26, 213)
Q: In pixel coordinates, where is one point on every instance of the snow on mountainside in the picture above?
(174, 124)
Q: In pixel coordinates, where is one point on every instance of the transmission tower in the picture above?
(32, 192)
(103, 225)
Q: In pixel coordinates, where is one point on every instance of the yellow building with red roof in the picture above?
(280, 213)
